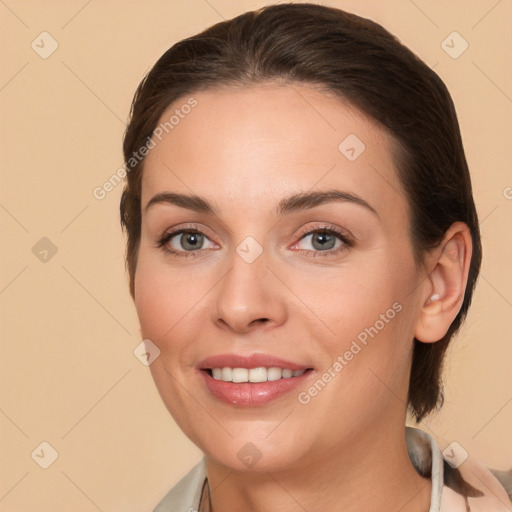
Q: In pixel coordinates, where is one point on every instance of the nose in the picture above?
(249, 297)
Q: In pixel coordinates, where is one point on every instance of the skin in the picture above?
(244, 150)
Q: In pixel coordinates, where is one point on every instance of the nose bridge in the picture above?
(248, 294)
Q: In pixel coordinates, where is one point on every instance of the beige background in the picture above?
(68, 326)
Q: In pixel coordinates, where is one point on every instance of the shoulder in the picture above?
(459, 483)
(185, 495)
(473, 485)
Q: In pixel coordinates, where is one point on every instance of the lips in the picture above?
(252, 380)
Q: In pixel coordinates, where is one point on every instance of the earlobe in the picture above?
(446, 284)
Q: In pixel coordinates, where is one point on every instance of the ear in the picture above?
(443, 293)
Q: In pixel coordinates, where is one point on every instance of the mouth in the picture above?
(254, 375)
(254, 380)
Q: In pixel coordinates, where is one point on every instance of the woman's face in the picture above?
(273, 272)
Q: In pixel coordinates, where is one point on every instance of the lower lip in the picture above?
(247, 394)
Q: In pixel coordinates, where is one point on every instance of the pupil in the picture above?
(324, 239)
(191, 240)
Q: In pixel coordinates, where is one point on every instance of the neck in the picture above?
(373, 473)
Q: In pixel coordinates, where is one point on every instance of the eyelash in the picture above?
(347, 242)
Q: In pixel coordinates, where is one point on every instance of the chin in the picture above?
(254, 453)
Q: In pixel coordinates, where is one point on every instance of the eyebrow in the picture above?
(294, 203)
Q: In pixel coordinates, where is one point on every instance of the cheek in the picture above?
(172, 305)
(347, 300)
(159, 299)
(154, 308)
(167, 305)
(364, 318)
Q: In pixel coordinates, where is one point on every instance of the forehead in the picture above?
(260, 143)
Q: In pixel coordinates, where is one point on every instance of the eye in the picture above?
(185, 242)
(324, 242)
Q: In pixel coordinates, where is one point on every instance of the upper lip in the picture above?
(249, 361)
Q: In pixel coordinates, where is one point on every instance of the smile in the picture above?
(260, 374)
(251, 380)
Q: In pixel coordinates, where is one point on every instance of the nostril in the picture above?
(261, 320)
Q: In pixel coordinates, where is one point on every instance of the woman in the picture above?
(302, 245)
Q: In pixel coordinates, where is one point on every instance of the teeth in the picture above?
(240, 375)
(257, 374)
(260, 374)
(274, 374)
(226, 374)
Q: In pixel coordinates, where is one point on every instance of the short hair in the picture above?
(364, 65)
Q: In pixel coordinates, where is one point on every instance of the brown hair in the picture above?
(358, 60)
